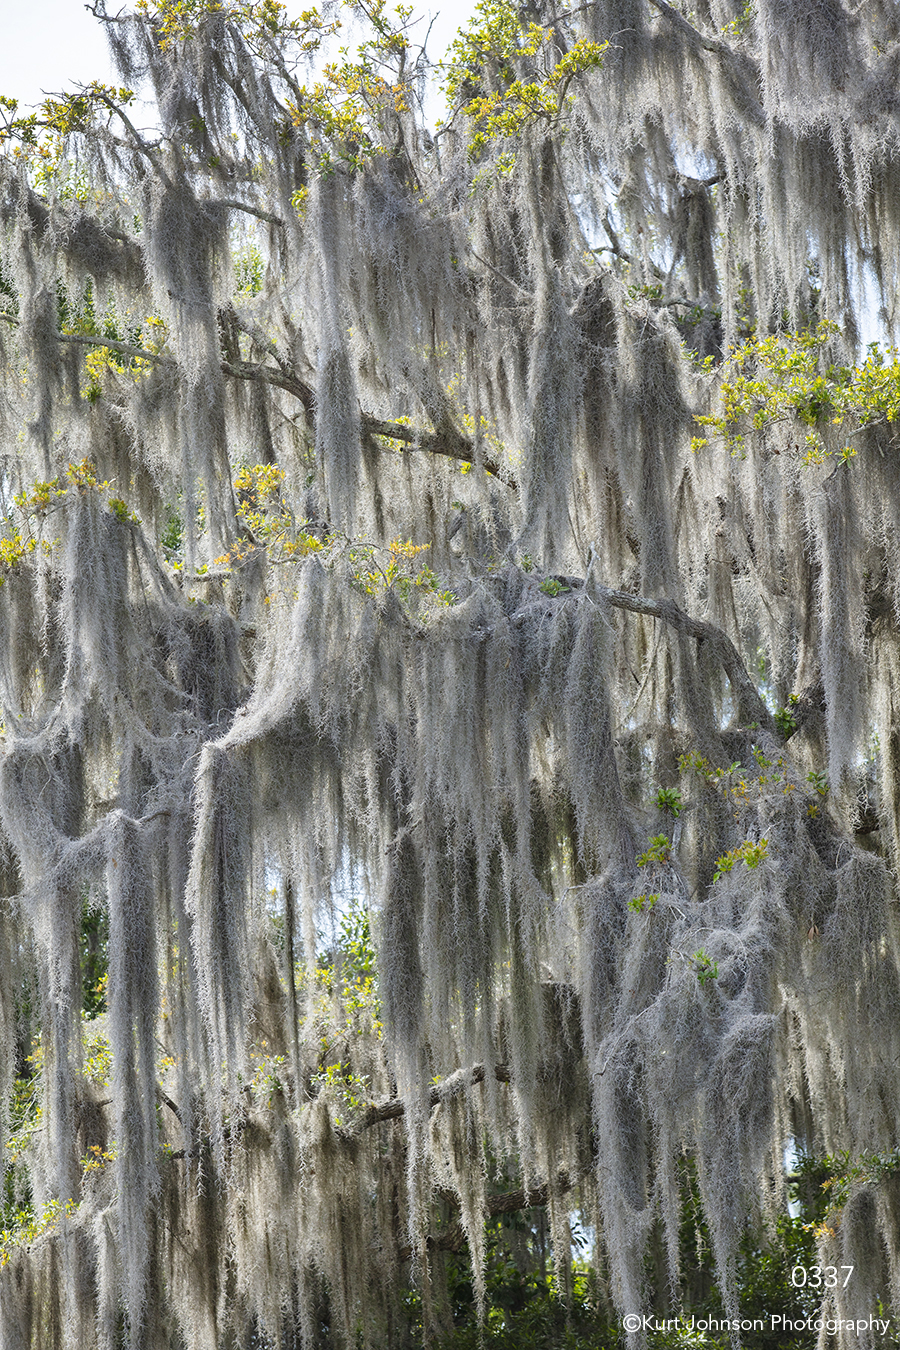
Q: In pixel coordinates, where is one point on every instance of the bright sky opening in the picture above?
(51, 46)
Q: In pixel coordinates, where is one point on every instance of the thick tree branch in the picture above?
(453, 1238)
(448, 442)
(279, 379)
(458, 1082)
(749, 706)
(234, 205)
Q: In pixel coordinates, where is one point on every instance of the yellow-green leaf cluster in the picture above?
(750, 852)
(789, 380)
(523, 84)
(348, 112)
(659, 850)
(395, 568)
(267, 520)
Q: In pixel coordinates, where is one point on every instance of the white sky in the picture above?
(47, 45)
(53, 45)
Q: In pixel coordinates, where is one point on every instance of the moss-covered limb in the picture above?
(750, 707)
(166, 1100)
(501, 276)
(453, 1237)
(279, 379)
(448, 443)
(742, 67)
(395, 1108)
(251, 209)
(693, 34)
(97, 340)
(152, 153)
(114, 345)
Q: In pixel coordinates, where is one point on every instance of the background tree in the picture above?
(355, 542)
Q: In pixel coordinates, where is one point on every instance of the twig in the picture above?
(501, 276)
(167, 1101)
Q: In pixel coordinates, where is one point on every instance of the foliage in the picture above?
(496, 48)
(376, 569)
(526, 1308)
(670, 801)
(94, 958)
(842, 1176)
(789, 380)
(749, 852)
(352, 543)
(706, 969)
(658, 851)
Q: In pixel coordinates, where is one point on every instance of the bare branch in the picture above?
(501, 276)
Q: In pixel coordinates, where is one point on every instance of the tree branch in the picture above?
(167, 1101)
(750, 707)
(448, 442)
(501, 276)
(693, 34)
(149, 153)
(508, 1202)
(257, 211)
(716, 47)
(457, 1082)
(292, 384)
(123, 348)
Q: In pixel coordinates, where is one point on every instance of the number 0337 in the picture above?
(821, 1277)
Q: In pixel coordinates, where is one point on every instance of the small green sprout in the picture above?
(705, 967)
(669, 799)
(785, 720)
(749, 853)
(638, 903)
(659, 850)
